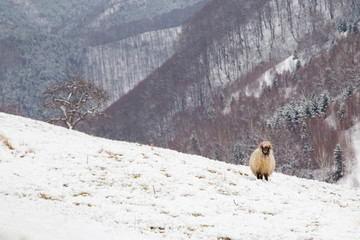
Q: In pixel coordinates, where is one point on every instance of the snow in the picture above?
(356, 144)
(62, 184)
(267, 77)
(119, 66)
(352, 178)
(21, 219)
(227, 108)
(331, 120)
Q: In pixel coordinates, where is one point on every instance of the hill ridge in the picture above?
(158, 193)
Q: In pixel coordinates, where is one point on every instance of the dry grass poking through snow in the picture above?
(6, 142)
(158, 193)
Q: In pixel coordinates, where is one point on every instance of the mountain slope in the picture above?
(117, 20)
(304, 111)
(43, 15)
(43, 41)
(68, 178)
(119, 66)
(29, 61)
(246, 71)
(222, 43)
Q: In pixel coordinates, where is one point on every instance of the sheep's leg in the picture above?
(266, 177)
(259, 175)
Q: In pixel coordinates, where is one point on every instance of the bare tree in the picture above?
(74, 100)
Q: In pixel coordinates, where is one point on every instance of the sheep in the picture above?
(262, 161)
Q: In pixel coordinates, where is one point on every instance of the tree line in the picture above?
(306, 128)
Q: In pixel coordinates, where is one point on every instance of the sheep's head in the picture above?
(265, 147)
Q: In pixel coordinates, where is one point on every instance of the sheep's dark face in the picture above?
(265, 148)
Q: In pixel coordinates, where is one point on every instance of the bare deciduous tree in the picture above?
(75, 101)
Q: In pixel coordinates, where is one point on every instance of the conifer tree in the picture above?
(294, 111)
(238, 154)
(341, 111)
(305, 108)
(355, 29)
(286, 113)
(342, 26)
(314, 107)
(295, 55)
(194, 140)
(275, 82)
(349, 91)
(338, 164)
(306, 145)
(324, 102)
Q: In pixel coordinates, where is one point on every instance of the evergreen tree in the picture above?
(221, 96)
(233, 101)
(275, 82)
(342, 26)
(265, 87)
(295, 115)
(238, 153)
(295, 55)
(195, 143)
(349, 91)
(306, 145)
(210, 113)
(324, 102)
(341, 111)
(305, 108)
(286, 113)
(355, 28)
(194, 140)
(314, 107)
(338, 164)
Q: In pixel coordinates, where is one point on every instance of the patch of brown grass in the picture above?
(6, 142)
(84, 194)
(158, 229)
(46, 197)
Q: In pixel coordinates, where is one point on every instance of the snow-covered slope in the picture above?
(118, 66)
(61, 184)
(352, 177)
(267, 78)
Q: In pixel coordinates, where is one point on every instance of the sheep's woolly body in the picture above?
(262, 164)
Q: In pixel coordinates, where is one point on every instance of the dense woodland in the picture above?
(198, 101)
(29, 62)
(304, 127)
(42, 43)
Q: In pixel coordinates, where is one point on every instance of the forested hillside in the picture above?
(120, 66)
(222, 92)
(112, 43)
(29, 61)
(212, 78)
(306, 113)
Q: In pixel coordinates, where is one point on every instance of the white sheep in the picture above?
(262, 161)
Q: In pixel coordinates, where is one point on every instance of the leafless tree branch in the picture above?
(76, 100)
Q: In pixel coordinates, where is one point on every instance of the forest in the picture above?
(304, 126)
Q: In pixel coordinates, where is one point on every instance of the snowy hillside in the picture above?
(61, 184)
(118, 66)
(353, 177)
